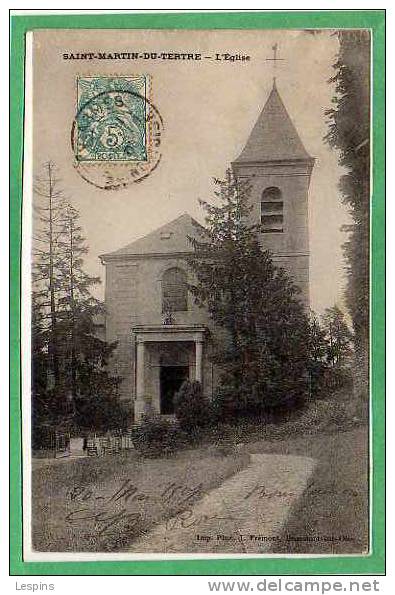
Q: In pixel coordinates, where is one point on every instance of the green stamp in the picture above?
(111, 120)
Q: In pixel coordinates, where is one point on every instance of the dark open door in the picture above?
(171, 378)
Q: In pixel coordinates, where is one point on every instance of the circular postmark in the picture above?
(116, 139)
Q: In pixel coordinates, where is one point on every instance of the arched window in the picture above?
(272, 210)
(174, 290)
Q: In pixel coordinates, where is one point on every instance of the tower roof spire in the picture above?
(274, 136)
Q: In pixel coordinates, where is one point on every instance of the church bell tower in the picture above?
(279, 169)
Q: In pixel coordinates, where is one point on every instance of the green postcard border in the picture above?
(374, 563)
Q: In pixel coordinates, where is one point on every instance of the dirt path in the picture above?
(246, 514)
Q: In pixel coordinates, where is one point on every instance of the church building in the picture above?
(163, 337)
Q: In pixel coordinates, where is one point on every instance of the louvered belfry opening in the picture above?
(272, 210)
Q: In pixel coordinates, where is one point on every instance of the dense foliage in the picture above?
(192, 409)
(71, 386)
(263, 331)
(157, 436)
(331, 351)
(349, 133)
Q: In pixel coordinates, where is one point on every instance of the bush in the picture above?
(100, 413)
(325, 380)
(156, 436)
(192, 409)
(283, 400)
(332, 414)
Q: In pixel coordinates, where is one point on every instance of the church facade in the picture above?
(163, 337)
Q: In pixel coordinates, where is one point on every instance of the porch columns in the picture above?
(198, 359)
(139, 409)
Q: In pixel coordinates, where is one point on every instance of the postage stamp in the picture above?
(117, 131)
(111, 118)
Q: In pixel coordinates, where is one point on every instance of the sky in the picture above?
(209, 109)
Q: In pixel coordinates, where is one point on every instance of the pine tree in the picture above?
(42, 397)
(263, 349)
(75, 300)
(47, 253)
(91, 392)
(71, 383)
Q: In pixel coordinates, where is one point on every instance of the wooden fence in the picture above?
(98, 446)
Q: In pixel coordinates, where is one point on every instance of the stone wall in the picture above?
(291, 247)
(134, 297)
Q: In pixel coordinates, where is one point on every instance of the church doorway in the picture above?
(171, 378)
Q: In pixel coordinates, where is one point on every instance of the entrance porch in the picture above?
(165, 356)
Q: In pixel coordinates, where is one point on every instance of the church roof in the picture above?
(274, 136)
(167, 239)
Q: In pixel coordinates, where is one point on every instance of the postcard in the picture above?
(196, 303)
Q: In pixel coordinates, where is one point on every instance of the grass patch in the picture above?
(340, 412)
(336, 501)
(103, 504)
